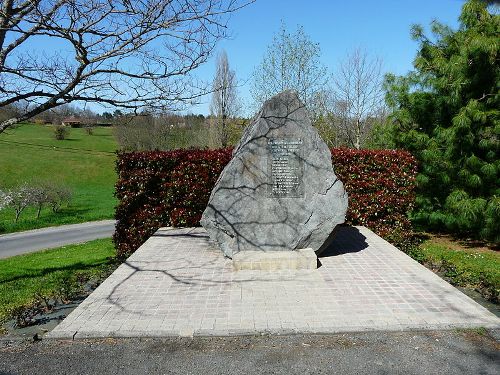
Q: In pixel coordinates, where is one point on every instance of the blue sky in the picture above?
(382, 28)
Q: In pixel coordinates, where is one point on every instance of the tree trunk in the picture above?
(224, 132)
(357, 135)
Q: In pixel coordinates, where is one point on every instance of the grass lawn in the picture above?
(464, 264)
(85, 163)
(52, 274)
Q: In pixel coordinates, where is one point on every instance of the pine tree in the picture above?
(446, 112)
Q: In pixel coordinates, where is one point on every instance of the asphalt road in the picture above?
(46, 238)
(430, 352)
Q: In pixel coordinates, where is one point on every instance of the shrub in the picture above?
(40, 197)
(381, 185)
(57, 195)
(172, 188)
(161, 189)
(61, 132)
(89, 129)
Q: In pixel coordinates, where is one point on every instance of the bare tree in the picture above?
(292, 61)
(128, 54)
(225, 105)
(357, 96)
(8, 112)
(160, 131)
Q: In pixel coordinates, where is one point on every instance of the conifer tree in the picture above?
(447, 113)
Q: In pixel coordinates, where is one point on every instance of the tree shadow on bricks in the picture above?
(183, 276)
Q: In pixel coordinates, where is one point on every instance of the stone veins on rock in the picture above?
(279, 192)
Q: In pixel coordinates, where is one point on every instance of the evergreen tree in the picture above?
(446, 112)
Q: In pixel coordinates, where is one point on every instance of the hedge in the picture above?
(171, 188)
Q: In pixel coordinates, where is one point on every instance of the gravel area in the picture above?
(425, 352)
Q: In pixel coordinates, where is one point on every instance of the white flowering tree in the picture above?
(20, 198)
(5, 199)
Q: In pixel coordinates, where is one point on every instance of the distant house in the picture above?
(76, 122)
(72, 121)
(99, 123)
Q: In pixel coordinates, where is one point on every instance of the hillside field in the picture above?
(85, 163)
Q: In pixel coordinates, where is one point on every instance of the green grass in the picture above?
(55, 273)
(473, 268)
(85, 163)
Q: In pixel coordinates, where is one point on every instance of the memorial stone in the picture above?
(279, 192)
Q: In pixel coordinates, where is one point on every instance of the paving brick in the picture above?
(178, 284)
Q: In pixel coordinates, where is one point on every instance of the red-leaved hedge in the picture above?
(171, 188)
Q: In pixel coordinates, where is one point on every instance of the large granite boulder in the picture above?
(279, 191)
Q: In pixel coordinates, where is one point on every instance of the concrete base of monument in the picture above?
(179, 284)
(302, 259)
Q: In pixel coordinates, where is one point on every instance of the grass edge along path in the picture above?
(35, 282)
(471, 268)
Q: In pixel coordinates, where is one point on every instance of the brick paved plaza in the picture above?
(178, 284)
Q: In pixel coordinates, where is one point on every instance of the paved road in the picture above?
(407, 353)
(39, 239)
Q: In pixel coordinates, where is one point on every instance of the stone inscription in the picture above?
(286, 167)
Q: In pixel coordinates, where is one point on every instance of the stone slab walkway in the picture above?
(178, 284)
